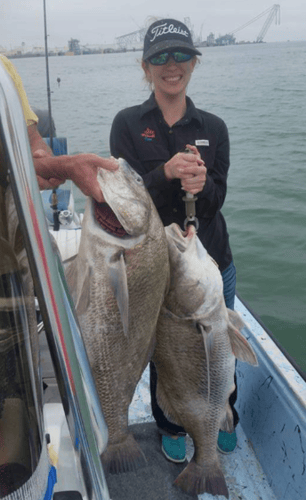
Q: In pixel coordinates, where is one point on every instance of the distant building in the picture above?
(38, 51)
(226, 40)
(74, 46)
(211, 40)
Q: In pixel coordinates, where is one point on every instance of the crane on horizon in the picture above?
(274, 12)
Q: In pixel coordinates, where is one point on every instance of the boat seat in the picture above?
(59, 145)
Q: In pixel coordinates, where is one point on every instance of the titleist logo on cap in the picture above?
(164, 29)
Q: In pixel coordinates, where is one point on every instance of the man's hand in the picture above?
(82, 169)
(49, 183)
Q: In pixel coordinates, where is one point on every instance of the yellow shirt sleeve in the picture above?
(29, 115)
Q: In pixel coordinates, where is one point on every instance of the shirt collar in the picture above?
(191, 112)
(148, 105)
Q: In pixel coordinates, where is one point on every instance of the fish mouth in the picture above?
(181, 239)
(125, 194)
(107, 219)
(189, 232)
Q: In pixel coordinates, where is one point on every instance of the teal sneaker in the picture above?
(174, 448)
(227, 442)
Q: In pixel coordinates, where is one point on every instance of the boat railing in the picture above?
(76, 386)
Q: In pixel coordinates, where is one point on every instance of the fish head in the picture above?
(182, 240)
(186, 293)
(124, 191)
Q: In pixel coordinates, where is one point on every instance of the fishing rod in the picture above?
(54, 205)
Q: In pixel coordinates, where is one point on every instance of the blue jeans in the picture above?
(229, 290)
(229, 285)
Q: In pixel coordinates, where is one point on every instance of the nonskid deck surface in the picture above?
(155, 480)
(244, 476)
(243, 473)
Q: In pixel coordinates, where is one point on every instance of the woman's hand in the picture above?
(190, 168)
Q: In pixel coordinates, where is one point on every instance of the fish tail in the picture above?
(196, 480)
(125, 456)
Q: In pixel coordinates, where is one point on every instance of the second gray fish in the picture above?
(197, 341)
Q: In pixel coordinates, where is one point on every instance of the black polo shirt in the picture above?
(141, 136)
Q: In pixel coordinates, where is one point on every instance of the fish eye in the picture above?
(138, 177)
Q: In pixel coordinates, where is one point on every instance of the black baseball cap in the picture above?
(167, 34)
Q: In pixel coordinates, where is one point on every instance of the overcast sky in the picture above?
(100, 21)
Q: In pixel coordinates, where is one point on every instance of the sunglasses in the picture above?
(163, 58)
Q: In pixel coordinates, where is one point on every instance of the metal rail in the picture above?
(81, 405)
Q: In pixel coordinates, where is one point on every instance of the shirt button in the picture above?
(170, 131)
(175, 210)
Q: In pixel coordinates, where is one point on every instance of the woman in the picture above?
(152, 138)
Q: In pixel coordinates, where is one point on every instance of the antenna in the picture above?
(47, 76)
(54, 195)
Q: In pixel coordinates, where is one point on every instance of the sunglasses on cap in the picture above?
(163, 58)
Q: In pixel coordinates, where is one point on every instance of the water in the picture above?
(259, 90)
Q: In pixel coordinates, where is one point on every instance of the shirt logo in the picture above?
(148, 134)
(202, 142)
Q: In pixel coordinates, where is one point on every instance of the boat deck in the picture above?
(244, 476)
(243, 473)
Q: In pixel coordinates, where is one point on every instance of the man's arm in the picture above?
(52, 170)
(36, 141)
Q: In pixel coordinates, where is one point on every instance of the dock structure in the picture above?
(132, 40)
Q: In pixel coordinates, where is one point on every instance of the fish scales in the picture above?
(196, 337)
(118, 285)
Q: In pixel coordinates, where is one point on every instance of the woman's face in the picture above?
(171, 78)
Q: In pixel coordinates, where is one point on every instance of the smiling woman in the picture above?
(152, 138)
(169, 73)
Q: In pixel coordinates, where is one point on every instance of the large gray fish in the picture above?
(196, 338)
(118, 282)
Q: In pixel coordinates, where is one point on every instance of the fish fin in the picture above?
(207, 339)
(71, 274)
(227, 424)
(240, 346)
(81, 300)
(125, 456)
(119, 284)
(235, 319)
(216, 485)
(195, 480)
